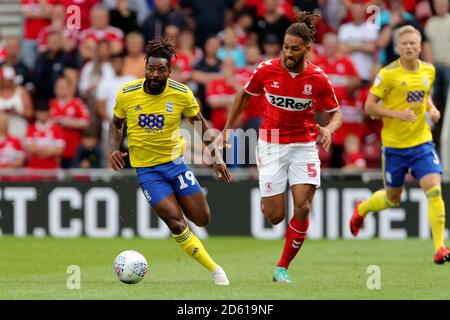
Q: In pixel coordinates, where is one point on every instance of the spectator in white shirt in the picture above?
(358, 39)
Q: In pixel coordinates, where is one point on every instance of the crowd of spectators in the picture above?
(59, 80)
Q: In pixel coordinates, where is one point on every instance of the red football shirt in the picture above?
(10, 151)
(290, 101)
(74, 109)
(32, 27)
(48, 135)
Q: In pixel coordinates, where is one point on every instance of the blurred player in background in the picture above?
(153, 107)
(293, 89)
(403, 87)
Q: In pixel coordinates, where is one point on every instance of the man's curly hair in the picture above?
(160, 48)
(304, 27)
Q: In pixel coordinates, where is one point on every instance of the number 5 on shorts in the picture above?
(312, 172)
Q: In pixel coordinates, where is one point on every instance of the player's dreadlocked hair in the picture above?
(304, 27)
(160, 48)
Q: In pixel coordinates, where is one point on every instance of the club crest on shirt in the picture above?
(307, 89)
(138, 108)
(425, 81)
(275, 84)
(268, 186)
(169, 106)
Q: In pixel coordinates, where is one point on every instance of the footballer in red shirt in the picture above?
(293, 89)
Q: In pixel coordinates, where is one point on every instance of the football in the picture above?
(130, 266)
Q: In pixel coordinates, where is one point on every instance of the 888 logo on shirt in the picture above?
(151, 122)
(415, 96)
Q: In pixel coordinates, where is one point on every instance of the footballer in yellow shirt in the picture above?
(153, 108)
(400, 95)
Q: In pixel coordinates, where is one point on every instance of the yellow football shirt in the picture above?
(153, 121)
(400, 89)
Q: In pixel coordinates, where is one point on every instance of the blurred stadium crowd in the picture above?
(58, 82)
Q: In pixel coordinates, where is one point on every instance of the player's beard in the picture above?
(155, 86)
(293, 65)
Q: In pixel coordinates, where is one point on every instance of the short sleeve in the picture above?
(381, 86)
(327, 100)
(255, 85)
(192, 108)
(119, 108)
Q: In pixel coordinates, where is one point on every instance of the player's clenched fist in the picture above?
(117, 161)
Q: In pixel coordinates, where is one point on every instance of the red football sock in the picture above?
(295, 235)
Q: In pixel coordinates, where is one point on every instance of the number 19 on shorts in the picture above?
(189, 176)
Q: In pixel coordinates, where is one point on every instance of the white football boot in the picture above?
(220, 277)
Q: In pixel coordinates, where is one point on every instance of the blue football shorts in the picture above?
(159, 181)
(420, 160)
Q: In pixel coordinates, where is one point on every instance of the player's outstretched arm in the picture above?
(373, 109)
(115, 138)
(219, 166)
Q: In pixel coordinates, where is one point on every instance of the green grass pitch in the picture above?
(36, 268)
